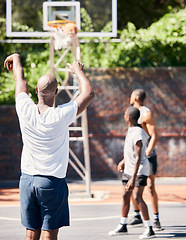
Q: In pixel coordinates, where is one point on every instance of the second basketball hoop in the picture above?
(64, 31)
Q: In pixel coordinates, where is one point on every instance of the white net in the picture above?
(64, 32)
(62, 39)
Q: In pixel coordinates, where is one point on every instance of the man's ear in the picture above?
(128, 118)
(36, 90)
(136, 99)
(56, 91)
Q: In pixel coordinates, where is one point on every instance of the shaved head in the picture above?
(138, 95)
(133, 113)
(47, 84)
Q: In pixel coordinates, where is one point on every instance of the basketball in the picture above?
(70, 27)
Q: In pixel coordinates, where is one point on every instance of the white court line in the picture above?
(73, 219)
(102, 203)
(78, 219)
(94, 203)
(94, 218)
(5, 206)
(10, 219)
(117, 203)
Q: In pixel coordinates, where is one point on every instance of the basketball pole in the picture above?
(86, 152)
(77, 54)
(52, 56)
(83, 171)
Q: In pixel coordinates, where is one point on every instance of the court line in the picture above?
(102, 203)
(10, 219)
(95, 218)
(72, 219)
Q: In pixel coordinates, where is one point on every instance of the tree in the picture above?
(143, 13)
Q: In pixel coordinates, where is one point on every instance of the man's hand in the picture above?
(9, 62)
(130, 185)
(13, 62)
(121, 166)
(76, 66)
(147, 152)
(86, 94)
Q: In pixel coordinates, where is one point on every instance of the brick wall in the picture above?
(106, 152)
(166, 92)
(10, 144)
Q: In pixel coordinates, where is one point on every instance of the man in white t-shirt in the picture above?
(45, 154)
(136, 170)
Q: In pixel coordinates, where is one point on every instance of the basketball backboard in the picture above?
(36, 13)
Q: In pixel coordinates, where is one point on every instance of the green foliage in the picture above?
(145, 12)
(35, 64)
(35, 61)
(7, 85)
(162, 44)
(86, 21)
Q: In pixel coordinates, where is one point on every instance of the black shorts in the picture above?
(141, 180)
(153, 165)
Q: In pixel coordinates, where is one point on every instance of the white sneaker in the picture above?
(148, 233)
(119, 230)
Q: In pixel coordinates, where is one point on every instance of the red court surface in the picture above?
(104, 192)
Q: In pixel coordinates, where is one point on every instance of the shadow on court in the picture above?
(176, 231)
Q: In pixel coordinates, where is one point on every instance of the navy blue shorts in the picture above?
(44, 202)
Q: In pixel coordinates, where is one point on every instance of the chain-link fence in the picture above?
(165, 88)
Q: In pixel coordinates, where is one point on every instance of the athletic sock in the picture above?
(147, 223)
(156, 216)
(123, 220)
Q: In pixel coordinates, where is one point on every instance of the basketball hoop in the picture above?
(64, 31)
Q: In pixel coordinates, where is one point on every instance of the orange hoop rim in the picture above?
(58, 23)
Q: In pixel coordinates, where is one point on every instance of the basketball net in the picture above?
(63, 31)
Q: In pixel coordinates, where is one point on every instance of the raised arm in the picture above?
(86, 95)
(149, 125)
(13, 62)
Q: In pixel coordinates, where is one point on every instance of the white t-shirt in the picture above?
(134, 135)
(142, 110)
(45, 137)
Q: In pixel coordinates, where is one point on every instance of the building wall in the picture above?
(10, 144)
(166, 90)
